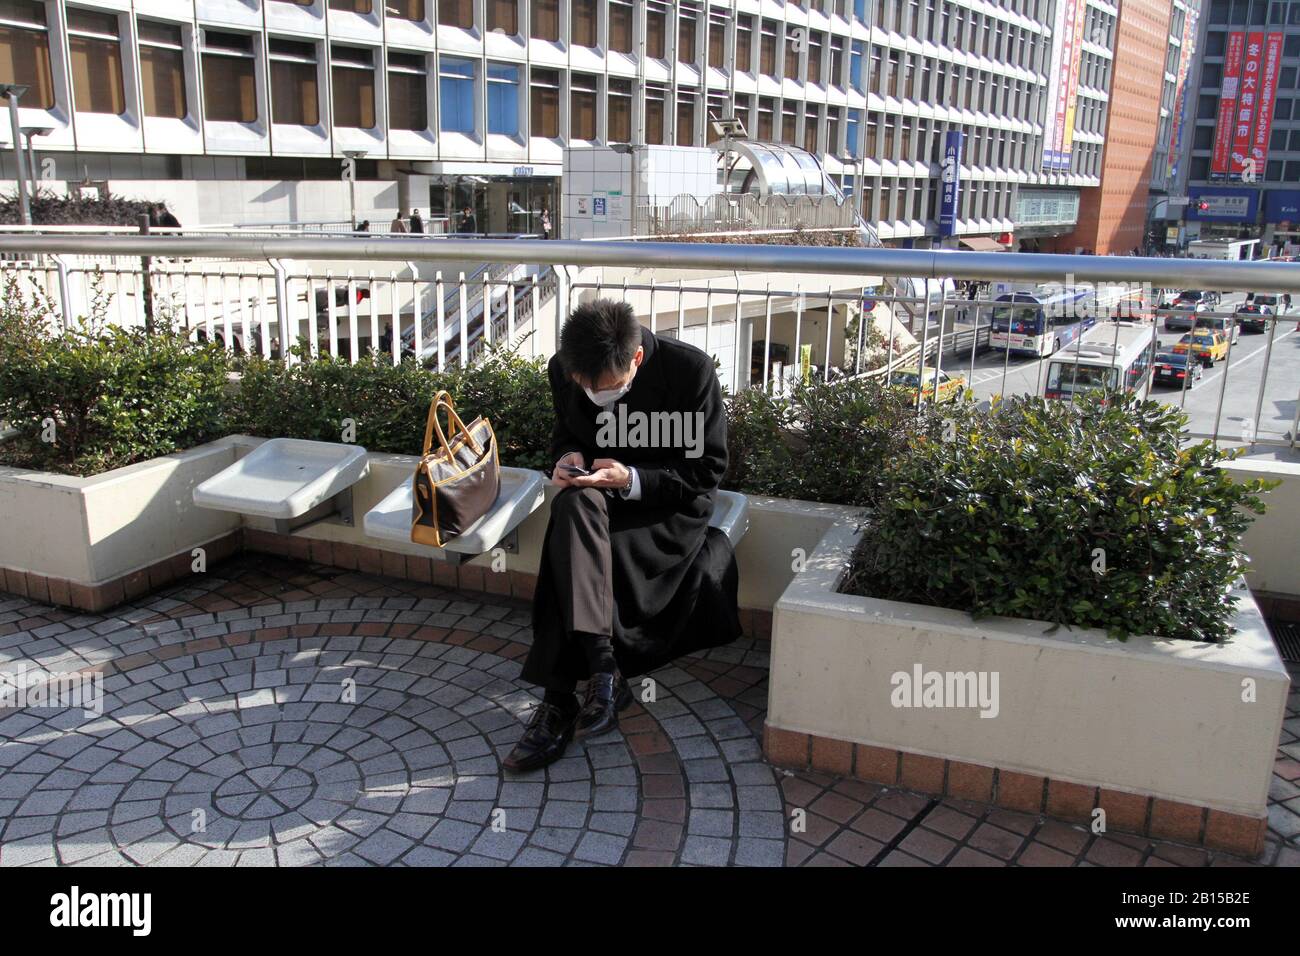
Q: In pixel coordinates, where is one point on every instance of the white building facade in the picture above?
(467, 105)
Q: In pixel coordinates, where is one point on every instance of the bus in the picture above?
(1043, 320)
(1110, 356)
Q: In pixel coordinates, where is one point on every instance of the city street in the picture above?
(995, 373)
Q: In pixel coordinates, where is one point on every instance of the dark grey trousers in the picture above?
(579, 556)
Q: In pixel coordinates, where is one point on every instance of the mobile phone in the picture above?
(574, 471)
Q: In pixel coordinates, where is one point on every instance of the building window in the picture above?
(620, 26)
(545, 112)
(294, 97)
(810, 129)
(833, 122)
(582, 106)
(454, 13)
(686, 117)
(767, 49)
(687, 21)
(545, 22)
(162, 69)
(742, 109)
(353, 74)
(766, 119)
(583, 22)
(503, 98)
(25, 52)
(362, 7)
(745, 44)
(229, 84)
(851, 133)
(792, 35)
(96, 62)
(655, 98)
(412, 10)
(718, 41)
(855, 65)
(456, 95)
(620, 111)
(789, 120)
(815, 41)
(408, 91)
(837, 61)
(656, 31)
(503, 16)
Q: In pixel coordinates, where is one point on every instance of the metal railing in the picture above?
(766, 312)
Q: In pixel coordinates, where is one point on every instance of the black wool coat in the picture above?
(674, 577)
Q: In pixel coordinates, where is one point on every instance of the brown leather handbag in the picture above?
(456, 484)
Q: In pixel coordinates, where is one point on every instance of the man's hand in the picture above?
(605, 473)
(559, 477)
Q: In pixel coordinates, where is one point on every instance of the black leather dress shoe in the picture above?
(607, 695)
(545, 739)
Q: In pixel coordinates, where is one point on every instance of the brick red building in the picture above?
(1112, 216)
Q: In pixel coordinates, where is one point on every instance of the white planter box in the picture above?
(89, 531)
(1166, 719)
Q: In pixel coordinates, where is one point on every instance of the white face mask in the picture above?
(610, 395)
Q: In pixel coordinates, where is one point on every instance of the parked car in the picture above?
(1253, 315)
(950, 386)
(1173, 368)
(1182, 318)
(1208, 347)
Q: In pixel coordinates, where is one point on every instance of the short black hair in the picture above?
(600, 337)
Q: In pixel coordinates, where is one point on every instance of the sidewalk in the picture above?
(277, 713)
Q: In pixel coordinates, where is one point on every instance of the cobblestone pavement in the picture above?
(276, 713)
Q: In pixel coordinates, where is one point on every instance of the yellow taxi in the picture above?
(908, 377)
(1207, 346)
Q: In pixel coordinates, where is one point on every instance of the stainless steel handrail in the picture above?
(1028, 267)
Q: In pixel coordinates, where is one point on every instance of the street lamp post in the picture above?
(353, 155)
(12, 91)
(31, 132)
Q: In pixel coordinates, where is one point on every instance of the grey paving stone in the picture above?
(383, 846)
(752, 852)
(706, 851)
(600, 848)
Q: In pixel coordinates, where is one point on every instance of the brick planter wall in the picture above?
(1072, 802)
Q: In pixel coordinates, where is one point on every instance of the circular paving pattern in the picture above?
(352, 751)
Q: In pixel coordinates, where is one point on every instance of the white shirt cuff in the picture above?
(633, 493)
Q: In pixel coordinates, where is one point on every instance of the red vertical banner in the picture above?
(1227, 103)
(1267, 99)
(1247, 100)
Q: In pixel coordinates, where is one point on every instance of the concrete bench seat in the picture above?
(285, 478)
(522, 493)
(731, 514)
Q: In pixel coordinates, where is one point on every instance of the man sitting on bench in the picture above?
(631, 574)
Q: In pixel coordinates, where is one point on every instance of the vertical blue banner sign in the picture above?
(950, 181)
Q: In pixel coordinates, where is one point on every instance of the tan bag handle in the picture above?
(443, 400)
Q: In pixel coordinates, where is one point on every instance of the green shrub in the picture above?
(1090, 514)
(821, 442)
(388, 404)
(107, 397)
